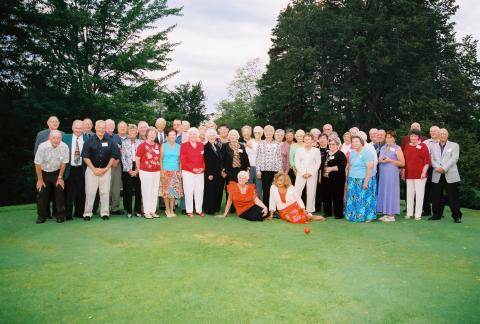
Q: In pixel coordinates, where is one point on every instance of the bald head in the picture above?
(77, 127)
(415, 125)
(53, 123)
(55, 137)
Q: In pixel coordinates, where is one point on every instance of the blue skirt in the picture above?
(361, 204)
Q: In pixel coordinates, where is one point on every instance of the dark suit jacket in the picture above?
(164, 139)
(213, 160)
(67, 139)
(228, 160)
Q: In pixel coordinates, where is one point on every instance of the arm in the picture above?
(369, 174)
(271, 203)
(260, 203)
(38, 172)
(401, 159)
(60, 181)
(227, 206)
(454, 158)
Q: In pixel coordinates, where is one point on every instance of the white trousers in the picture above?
(415, 192)
(92, 184)
(311, 190)
(149, 183)
(193, 188)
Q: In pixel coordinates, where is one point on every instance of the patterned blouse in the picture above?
(269, 157)
(128, 153)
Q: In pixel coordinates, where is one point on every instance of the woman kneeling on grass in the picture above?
(284, 198)
(244, 198)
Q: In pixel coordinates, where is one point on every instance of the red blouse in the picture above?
(415, 159)
(149, 157)
(242, 202)
(192, 158)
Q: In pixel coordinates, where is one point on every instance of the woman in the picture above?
(257, 139)
(361, 202)
(307, 162)
(269, 161)
(279, 135)
(213, 179)
(193, 167)
(251, 147)
(417, 161)
(316, 134)
(390, 161)
(130, 178)
(299, 143)
(323, 147)
(333, 179)
(243, 197)
(171, 175)
(202, 134)
(285, 199)
(235, 158)
(345, 148)
(285, 150)
(148, 158)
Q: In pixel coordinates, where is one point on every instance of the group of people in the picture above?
(264, 172)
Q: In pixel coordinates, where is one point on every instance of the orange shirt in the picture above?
(242, 202)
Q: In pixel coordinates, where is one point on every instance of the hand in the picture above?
(402, 174)
(195, 171)
(131, 173)
(440, 170)
(224, 174)
(365, 185)
(115, 163)
(259, 175)
(40, 185)
(264, 211)
(210, 177)
(200, 170)
(248, 144)
(97, 172)
(60, 183)
(423, 175)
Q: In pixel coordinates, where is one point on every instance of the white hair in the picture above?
(210, 131)
(258, 129)
(193, 130)
(234, 132)
(315, 131)
(243, 174)
(362, 135)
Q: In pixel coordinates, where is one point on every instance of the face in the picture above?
(232, 137)
(171, 137)
(415, 126)
(223, 132)
(193, 137)
(315, 136)
(327, 129)
(356, 144)
(77, 128)
(55, 139)
(443, 135)
(258, 134)
(373, 135)
(332, 146)
(160, 125)
(151, 135)
(299, 137)
(353, 131)
(278, 137)
(177, 125)
(87, 126)
(132, 133)
(110, 127)
(307, 141)
(100, 128)
(280, 182)
(434, 132)
(347, 138)
(246, 133)
(390, 139)
(269, 133)
(289, 137)
(122, 129)
(185, 126)
(381, 136)
(142, 129)
(212, 138)
(323, 141)
(414, 139)
(53, 123)
(242, 180)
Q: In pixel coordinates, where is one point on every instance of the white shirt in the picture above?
(252, 152)
(291, 197)
(161, 137)
(307, 161)
(370, 147)
(80, 146)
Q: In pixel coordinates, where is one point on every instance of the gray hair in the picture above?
(192, 130)
(243, 174)
(152, 129)
(234, 132)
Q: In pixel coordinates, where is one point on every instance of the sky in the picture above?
(217, 37)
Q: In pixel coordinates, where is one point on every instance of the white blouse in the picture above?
(291, 197)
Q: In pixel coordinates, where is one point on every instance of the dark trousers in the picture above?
(212, 196)
(319, 197)
(253, 214)
(439, 200)
(75, 192)
(333, 190)
(131, 187)
(267, 180)
(427, 197)
(43, 196)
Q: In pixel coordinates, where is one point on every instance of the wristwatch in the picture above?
(59, 177)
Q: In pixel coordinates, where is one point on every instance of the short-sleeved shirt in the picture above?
(149, 157)
(100, 151)
(242, 202)
(358, 163)
(416, 156)
(116, 139)
(51, 158)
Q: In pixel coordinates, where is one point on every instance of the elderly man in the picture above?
(53, 123)
(185, 128)
(99, 154)
(427, 198)
(87, 127)
(160, 124)
(445, 175)
(50, 160)
(75, 172)
(116, 170)
(122, 130)
(328, 129)
(142, 130)
(223, 134)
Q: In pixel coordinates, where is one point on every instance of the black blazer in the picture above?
(228, 160)
(213, 160)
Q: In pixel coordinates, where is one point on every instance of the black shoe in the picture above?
(105, 217)
(87, 218)
(117, 212)
(50, 217)
(60, 220)
(78, 216)
(434, 218)
(425, 214)
(69, 218)
(184, 211)
(458, 221)
(40, 221)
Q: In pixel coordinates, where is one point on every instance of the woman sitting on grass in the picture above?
(244, 198)
(284, 198)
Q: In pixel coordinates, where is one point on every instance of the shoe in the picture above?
(105, 217)
(129, 215)
(171, 215)
(78, 216)
(458, 221)
(408, 217)
(87, 218)
(418, 218)
(154, 215)
(148, 216)
(69, 218)
(138, 214)
(117, 212)
(202, 214)
(184, 212)
(389, 219)
(40, 221)
(190, 215)
(382, 218)
(60, 220)
(434, 218)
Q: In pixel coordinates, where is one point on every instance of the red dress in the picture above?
(293, 213)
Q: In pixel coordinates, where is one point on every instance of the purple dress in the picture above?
(388, 200)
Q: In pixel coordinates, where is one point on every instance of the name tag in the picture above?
(240, 150)
(392, 149)
(104, 144)
(201, 152)
(419, 147)
(449, 150)
(332, 157)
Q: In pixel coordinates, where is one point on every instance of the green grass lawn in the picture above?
(230, 270)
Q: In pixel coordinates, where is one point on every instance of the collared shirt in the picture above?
(161, 137)
(100, 151)
(73, 147)
(430, 142)
(252, 152)
(51, 158)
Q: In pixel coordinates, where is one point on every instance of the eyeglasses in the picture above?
(332, 143)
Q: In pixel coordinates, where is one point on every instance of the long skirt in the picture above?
(361, 203)
(172, 184)
(293, 213)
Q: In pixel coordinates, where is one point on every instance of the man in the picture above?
(99, 153)
(160, 124)
(445, 175)
(185, 128)
(328, 129)
(122, 130)
(372, 134)
(142, 130)
(50, 160)
(53, 123)
(177, 126)
(223, 134)
(75, 172)
(427, 198)
(116, 170)
(87, 127)
(381, 135)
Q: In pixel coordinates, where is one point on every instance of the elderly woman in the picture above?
(193, 167)
(148, 160)
(235, 158)
(285, 199)
(171, 175)
(323, 147)
(333, 179)
(361, 201)
(285, 150)
(130, 177)
(269, 161)
(257, 139)
(347, 142)
(417, 161)
(316, 134)
(142, 130)
(251, 147)
(279, 135)
(390, 161)
(213, 179)
(243, 196)
(299, 134)
(202, 134)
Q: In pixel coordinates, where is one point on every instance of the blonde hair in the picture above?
(286, 179)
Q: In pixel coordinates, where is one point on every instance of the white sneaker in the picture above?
(129, 215)
(408, 217)
(418, 218)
